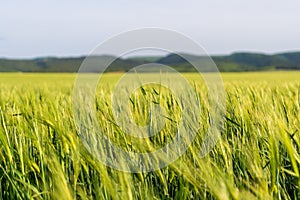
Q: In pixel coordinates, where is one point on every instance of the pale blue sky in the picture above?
(34, 28)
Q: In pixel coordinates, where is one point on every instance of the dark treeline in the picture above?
(228, 63)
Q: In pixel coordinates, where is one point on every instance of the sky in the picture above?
(34, 28)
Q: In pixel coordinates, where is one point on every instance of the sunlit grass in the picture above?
(257, 156)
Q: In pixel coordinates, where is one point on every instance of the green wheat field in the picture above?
(256, 157)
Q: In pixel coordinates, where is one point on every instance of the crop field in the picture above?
(256, 157)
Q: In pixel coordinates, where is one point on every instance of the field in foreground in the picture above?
(256, 157)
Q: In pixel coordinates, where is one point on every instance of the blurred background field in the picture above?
(10, 79)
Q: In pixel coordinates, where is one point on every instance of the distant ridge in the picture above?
(235, 62)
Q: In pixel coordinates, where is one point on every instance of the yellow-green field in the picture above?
(256, 157)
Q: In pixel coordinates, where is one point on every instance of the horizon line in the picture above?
(140, 56)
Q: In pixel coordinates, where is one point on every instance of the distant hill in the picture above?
(234, 62)
(255, 61)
